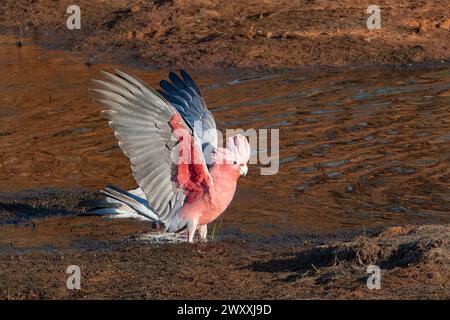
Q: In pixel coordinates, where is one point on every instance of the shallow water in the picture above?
(358, 147)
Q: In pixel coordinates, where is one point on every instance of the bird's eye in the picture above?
(234, 162)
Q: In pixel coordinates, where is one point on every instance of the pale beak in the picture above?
(243, 169)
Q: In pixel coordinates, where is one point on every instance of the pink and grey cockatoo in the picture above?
(185, 181)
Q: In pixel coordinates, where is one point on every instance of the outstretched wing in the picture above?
(144, 123)
(185, 96)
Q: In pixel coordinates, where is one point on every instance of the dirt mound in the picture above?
(395, 247)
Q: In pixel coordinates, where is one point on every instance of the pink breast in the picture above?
(212, 204)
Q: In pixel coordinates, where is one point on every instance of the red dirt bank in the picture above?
(243, 34)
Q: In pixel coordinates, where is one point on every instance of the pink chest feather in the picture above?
(214, 202)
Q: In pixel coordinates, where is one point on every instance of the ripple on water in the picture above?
(392, 132)
(334, 174)
(71, 131)
(307, 170)
(397, 208)
(334, 164)
(288, 159)
(402, 170)
(308, 183)
(425, 162)
(444, 138)
(278, 124)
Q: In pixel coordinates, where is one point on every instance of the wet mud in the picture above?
(120, 259)
(414, 264)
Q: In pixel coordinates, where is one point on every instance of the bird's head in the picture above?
(236, 154)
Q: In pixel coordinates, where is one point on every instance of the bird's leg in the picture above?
(191, 228)
(202, 232)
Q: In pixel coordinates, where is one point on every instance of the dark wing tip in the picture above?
(176, 80)
(168, 87)
(189, 81)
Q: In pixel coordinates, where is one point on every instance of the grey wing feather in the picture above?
(185, 96)
(141, 118)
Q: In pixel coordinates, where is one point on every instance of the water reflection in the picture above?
(358, 148)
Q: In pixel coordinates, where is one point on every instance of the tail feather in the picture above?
(117, 213)
(120, 203)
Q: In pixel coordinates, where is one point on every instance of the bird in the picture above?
(184, 179)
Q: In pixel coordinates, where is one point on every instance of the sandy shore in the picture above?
(244, 34)
(116, 261)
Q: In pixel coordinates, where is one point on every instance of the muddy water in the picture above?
(359, 147)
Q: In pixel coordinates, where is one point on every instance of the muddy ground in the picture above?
(116, 261)
(244, 34)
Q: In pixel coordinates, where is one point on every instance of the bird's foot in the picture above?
(191, 228)
(202, 233)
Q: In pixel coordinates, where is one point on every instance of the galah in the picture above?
(185, 180)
